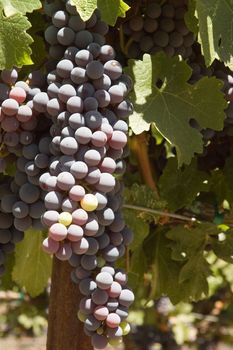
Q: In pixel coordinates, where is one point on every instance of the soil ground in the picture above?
(11, 343)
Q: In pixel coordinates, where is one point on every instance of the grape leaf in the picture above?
(216, 30)
(32, 266)
(138, 226)
(11, 7)
(14, 41)
(221, 182)
(165, 270)
(142, 195)
(193, 277)
(38, 47)
(224, 249)
(111, 10)
(221, 187)
(123, 8)
(173, 274)
(172, 105)
(187, 182)
(138, 266)
(85, 8)
(187, 242)
(190, 18)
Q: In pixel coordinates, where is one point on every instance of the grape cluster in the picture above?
(18, 116)
(9, 235)
(104, 308)
(69, 30)
(157, 27)
(86, 100)
(22, 126)
(69, 144)
(25, 202)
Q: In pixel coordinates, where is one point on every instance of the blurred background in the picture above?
(156, 324)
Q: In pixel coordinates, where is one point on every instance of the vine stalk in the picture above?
(141, 149)
(65, 331)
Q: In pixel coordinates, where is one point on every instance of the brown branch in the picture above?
(141, 148)
(65, 331)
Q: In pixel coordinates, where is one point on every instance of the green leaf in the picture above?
(224, 249)
(11, 7)
(14, 41)
(187, 242)
(190, 19)
(193, 276)
(111, 10)
(179, 187)
(32, 266)
(138, 226)
(165, 270)
(143, 196)
(221, 187)
(123, 8)
(172, 105)
(216, 30)
(6, 282)
(85, 8)
(180, 278)
(138, 267)
(38, 47)
(221, 182)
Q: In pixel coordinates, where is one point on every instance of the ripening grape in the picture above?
(104, 280)
(65, 219)
(99, 341)
(115, 341)
(58, 232)
(64, 252)
(89, 202)
(50, 246)
(81, 246)
(75, 233)
(125, 326)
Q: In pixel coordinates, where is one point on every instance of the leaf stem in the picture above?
(159, 213)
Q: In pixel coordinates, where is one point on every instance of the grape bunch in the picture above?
(104, 308)
(21, 126)
(19, 116)
(9, 235)
(87, 102)
(69, 30)
(25, 201)
(24, 125)
(156, 27)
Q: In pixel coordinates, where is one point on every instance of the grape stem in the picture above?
(159, 213)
